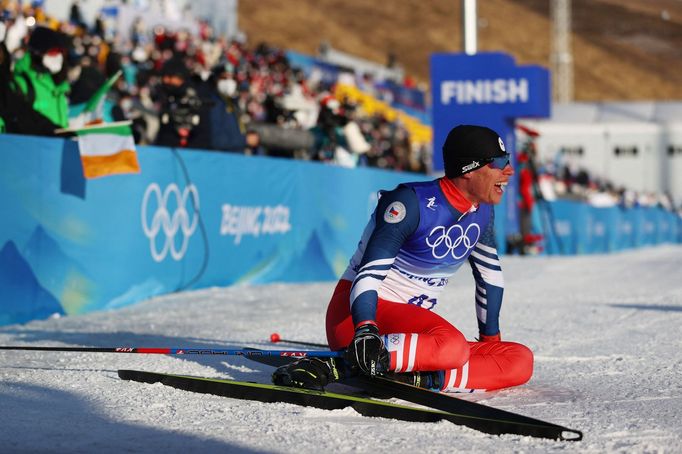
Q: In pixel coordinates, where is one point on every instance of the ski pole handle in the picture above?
(275, 338)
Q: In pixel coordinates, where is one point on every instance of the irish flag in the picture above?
(92, 112)
(107, 149)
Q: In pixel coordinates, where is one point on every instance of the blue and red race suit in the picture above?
(419, 235)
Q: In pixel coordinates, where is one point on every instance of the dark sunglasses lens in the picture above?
(500, 162)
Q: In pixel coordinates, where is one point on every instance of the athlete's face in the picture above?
(487, 184)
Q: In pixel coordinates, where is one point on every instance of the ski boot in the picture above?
(309, 373)
(427, 380)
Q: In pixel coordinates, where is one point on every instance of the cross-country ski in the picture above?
(476, 416)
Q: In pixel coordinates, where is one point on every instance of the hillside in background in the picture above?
(623, 49)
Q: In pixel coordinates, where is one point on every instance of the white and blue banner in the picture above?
(190, 219)
(194, 219)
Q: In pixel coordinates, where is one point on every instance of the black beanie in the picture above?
(43, 39)
(175, 66)
(470, 147)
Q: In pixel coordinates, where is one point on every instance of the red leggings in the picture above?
(418, 339)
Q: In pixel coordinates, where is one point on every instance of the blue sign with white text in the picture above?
(486, 89)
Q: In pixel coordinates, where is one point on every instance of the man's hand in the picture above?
(494, 338)
(367, 351)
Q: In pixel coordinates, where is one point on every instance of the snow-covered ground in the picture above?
(605, 331)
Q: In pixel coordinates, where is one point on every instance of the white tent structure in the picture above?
(637, 145)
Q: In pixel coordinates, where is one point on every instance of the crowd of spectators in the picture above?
(562, 178)
(186, 89)
(204, 91)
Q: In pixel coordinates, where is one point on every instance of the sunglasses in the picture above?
(500, 162)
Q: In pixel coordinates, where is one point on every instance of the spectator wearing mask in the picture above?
(226, 130)
(40, 80)
(197, 113)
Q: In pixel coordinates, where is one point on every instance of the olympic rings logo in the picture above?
(455, 241)
(163, 222)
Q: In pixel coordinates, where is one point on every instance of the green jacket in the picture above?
(49, 98)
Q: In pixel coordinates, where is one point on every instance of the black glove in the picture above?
(367, 352)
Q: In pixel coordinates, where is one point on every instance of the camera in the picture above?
(182, 111)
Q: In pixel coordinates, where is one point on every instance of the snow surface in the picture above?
(605, 331)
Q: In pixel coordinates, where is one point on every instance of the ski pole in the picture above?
(274, 338)
(181, 351)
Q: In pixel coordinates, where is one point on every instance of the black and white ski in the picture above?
(475, 415)
(272, 393)
(481, 417)
(469, 414)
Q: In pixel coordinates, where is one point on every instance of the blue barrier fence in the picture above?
(573, 227)
(68, 245)
(71, 246)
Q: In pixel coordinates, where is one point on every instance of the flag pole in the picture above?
(93, 127)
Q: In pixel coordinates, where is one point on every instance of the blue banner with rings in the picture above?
(190, 219)
(195, 219)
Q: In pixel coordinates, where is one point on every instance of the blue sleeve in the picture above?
(487, 271)
(395, 219)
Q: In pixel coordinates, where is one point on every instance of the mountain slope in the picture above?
(623, 49)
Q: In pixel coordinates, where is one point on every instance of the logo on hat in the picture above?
(472, 166)
(499, 139)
